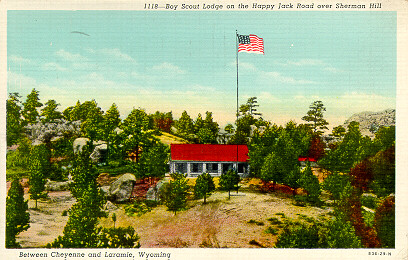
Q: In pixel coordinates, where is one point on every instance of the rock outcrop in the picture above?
(370, 122)
(121, 189)
(49, 132)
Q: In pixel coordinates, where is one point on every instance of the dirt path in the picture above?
(219, 223)
(46, 222)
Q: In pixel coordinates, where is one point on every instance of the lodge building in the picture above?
(215, 159)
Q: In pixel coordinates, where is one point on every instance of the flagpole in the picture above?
(236, 131)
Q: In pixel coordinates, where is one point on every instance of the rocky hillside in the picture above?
(372, 121)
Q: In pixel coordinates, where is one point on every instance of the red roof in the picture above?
(303, 159)
(209, 152)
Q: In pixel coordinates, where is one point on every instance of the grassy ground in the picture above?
(248, 219)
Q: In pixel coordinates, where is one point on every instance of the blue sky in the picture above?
(175, 61)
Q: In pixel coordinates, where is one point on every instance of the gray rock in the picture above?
(122, 188)
(99, 152)
(109, 206)
(372, 120)
(79, 143)
(48, 132)
(57, 186)
(153, 193)
(105, 190)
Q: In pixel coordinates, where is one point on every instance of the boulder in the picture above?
(154, 192)
(57, 186)
(109, 206)
(105, 190)
(79, 143)
(99, 152)
(122, 188)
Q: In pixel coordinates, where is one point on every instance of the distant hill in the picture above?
(372, 120)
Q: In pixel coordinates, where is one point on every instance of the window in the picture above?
(212, 167)
(243, 168)
(226, 167)
(181, 167)
(196, 167)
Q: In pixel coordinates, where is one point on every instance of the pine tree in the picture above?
(315, 117)
(229, 181)
(31, 104)
(310, 183)
(14, 120)
(50, 113)
(39, 164)
(204, 186)
(174, 193)
(17, 217)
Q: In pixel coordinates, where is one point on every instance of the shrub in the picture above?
(118, 238)
(139, 208)
(313, 234)
(369, 201)
(384, 222)
(258, 223)
(271, 230)
(274, 221)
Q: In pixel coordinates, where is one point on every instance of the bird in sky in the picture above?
(80, 33)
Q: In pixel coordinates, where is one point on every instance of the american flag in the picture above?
(250, 43)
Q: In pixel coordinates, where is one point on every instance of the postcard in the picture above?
(204, 129)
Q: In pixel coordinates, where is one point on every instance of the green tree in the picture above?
(81, 229)
(350, 151)
(338, 131)
(185, 126)
(17, 217)
(250, 107)
(174, 193)
(110, 121)
(385, 137)
(229, 181)
(137, 132)
(204, 186)
(383, 170)
(93, 126)
(384, 222)
(315, 118)
(153, 161)
(30, 106)
(335, 183)
(310, 183)
(292, 178)
(50, 113)
(334, 233)
(14, 120)
(39, 164)
(272, 169)
(83, 172)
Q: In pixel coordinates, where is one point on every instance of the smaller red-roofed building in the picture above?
(304, 160)
(215, 159)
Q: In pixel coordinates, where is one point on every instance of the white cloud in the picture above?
(166, 67)
(306, 62)
(116, 53)
(284, 79)
(70, 56)
(19, 60)
(52, 66)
